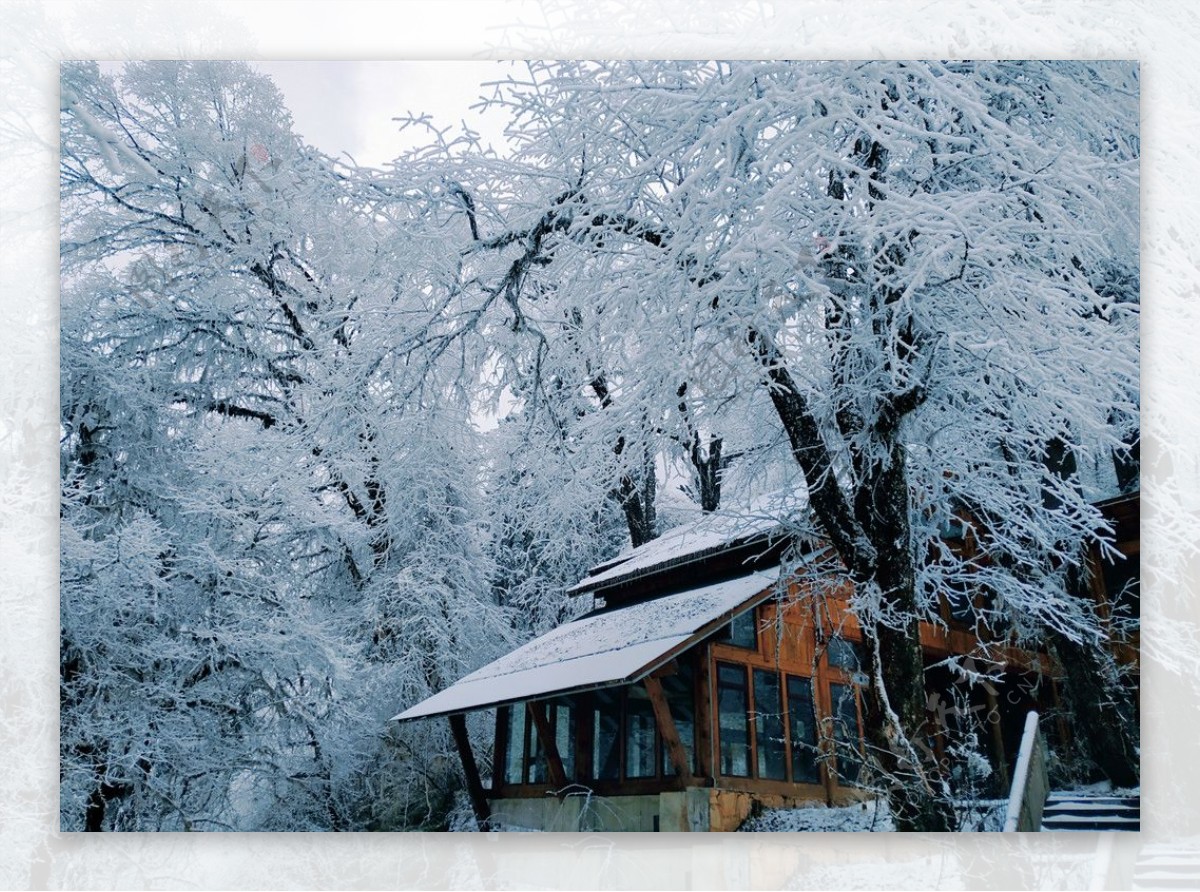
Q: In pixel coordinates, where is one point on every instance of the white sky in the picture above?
(348, 107)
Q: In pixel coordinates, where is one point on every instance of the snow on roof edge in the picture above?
(709, 534)
(608, 667)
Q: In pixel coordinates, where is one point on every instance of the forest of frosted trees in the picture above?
(332, 437)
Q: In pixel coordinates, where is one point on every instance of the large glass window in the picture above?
(679, 692)
(562, 712)
(802, 726)
(768, 726)
(514, 756)
(733, 711)
(606, 735)
(846, 733)
(639, 734)
(538, 771)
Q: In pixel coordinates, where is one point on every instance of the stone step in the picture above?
(1090, 812)
(1082, 813)
(1055, 798)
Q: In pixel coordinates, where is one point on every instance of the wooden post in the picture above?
(479, 803)
(705, 744)
(666, 727)
(537, 710)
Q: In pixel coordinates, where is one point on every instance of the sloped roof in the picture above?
(602, 649)
(693, 541)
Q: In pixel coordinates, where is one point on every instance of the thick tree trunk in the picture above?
(708, 472)
(872, 537)
(896, 695)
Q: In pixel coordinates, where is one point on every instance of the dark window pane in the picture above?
(564, 735)
(639, 734)
(844, 654)
(539, 773)
(768, 725)
(1121, 583)
(515, 755)
(802, 726)
(733, 720)
(680, 694)
(742, 631)
(606, 736)
(845, 733)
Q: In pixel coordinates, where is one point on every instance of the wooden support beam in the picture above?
(666, 727)
(705, 716)
(479, 803)
(537, 710)
(668, 668)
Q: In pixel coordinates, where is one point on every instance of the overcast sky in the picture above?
(348, 107)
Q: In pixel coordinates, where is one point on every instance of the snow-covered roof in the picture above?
(691, 541)
(613, 647)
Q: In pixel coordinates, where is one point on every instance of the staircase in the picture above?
(1078, 811)
(1167, 867)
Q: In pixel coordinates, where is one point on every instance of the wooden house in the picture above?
(705, 685)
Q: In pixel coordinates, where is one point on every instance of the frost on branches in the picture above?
(907, 290)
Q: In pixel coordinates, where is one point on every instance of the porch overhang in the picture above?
(602, 649)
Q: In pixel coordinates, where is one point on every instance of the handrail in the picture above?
(1030, 785)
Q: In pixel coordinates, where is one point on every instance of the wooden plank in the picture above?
(500, 755)
(704, 713)
(479, 803)
(537, 710)
(666, 727)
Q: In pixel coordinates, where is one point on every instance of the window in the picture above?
(606, 735)
(538, 771)
(514, 757)
(843, 654)
(733, 712)
(755, 744)
(802, 728)
(562, 721)
(678, 690)
(768, 726)
(846, 732)
(639, 734)
(742, 631)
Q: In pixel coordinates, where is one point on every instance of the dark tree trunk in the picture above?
(882, 510)
(708, 472)
(872, 537)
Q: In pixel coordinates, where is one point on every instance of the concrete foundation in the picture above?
(694, 810)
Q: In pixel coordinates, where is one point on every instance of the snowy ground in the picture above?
(868, 817)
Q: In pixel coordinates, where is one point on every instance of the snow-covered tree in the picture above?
(913, 283)
(264, 528)
(911, 260)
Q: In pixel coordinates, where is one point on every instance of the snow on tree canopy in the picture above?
(599, 650)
